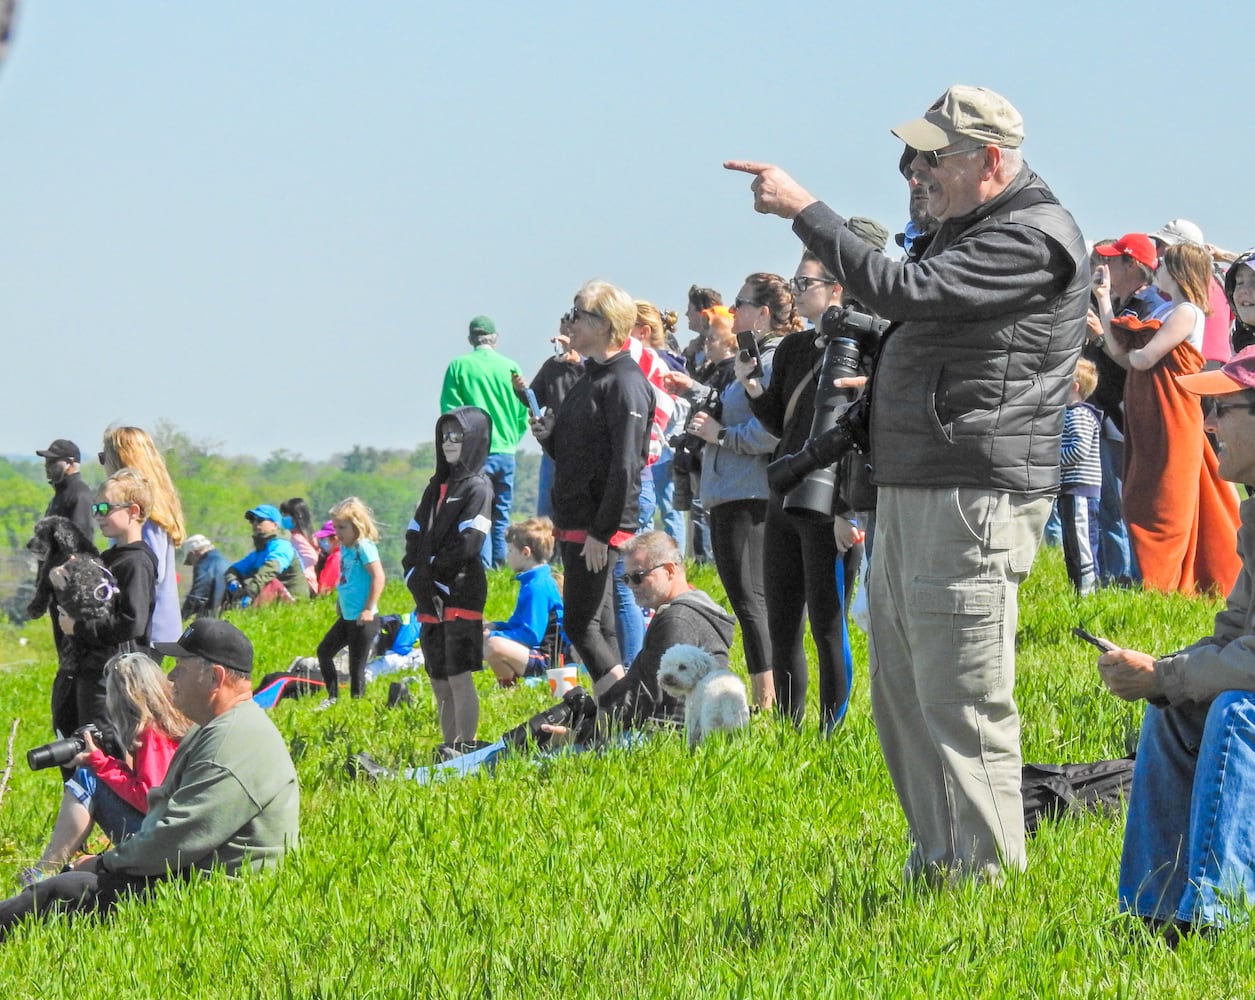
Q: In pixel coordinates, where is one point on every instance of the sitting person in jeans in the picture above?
(1189, 842)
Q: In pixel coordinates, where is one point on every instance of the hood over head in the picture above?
(476, 428)
(1243, 333)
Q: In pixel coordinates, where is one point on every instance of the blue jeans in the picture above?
(645, 503)
(628, 617)
(500, 469)
(1189, 842)
(117, 818)
(664, 497)
(1116, 562)
(544, 484)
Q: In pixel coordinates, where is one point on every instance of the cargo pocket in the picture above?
(962, 624)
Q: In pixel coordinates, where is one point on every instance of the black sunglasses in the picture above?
(105, 509)
(934, 157)
(637, 578)
(804, 283)
(1213, 407)
(745, 302)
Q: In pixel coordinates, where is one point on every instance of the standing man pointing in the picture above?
(966, 419)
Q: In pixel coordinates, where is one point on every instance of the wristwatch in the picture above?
(723, 432)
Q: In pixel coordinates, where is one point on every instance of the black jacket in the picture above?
(599, 445)
(973, 378)
(73, 498)
(442, 564)
(134, 567)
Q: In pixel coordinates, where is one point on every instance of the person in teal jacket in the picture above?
(273, 569)
(483, 378)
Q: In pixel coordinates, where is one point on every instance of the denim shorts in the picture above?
(117, 818)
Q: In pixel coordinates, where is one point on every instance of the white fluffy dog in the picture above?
(714, 697)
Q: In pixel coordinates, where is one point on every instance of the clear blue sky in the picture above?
(270, 221)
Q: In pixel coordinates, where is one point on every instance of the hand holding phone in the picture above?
(1106, 645)
(532, 405)
(747, 345)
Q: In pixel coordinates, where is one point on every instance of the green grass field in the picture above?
(760, 867)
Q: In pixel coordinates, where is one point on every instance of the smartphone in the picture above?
(747, 343)
(534, 406)
(1106, 645)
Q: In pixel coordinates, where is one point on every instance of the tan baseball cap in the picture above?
(964, 112)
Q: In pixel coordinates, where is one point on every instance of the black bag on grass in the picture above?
(1053, 790)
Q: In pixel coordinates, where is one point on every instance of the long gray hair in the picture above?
(138, 695)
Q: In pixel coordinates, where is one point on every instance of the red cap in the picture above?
(1136, 245)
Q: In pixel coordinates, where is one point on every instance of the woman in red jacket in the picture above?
(112, 792)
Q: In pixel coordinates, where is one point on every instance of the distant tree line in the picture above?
(217, 490)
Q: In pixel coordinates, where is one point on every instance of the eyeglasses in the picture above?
(105, 509)
(1213, 407)
(745, 302)
(933, 158)
(637, 578)
(804, 283)
(451, 437)
(576, 312)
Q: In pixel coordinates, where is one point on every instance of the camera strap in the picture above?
(791, 408)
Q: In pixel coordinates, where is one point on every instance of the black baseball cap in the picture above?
(214, 640)
(62, 448)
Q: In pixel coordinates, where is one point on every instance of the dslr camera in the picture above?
(58, 753)
(688, 450)
(576, 711)
(807, 479)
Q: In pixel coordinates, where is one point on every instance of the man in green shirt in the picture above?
(230, 799)
(484, 378)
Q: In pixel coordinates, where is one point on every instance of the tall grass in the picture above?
(764, 866)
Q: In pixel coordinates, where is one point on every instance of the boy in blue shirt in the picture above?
(525, 645)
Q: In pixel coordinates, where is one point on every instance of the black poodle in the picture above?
(85, 590)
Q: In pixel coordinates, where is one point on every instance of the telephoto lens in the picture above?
(60, 752)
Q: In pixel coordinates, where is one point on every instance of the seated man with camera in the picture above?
(229, 799)
(654, 569)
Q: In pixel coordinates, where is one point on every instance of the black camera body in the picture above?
(576, 711)
(807, 478)
(687, 460)
(58, 753)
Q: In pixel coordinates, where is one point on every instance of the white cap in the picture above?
(1178, 231)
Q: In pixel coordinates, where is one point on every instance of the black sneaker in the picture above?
(363, 765)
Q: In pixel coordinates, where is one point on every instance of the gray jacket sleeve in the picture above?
(991, 271)
(1225, 660)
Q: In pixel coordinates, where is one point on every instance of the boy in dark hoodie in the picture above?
(78, 695)
(443, 569)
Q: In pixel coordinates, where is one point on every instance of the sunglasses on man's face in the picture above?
(637, 578)
(933, 157)
(1212, 406)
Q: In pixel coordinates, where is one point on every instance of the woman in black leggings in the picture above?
(803, 555)
(598, 440)
(734, 462)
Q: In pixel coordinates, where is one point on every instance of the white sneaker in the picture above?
(325, 704)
